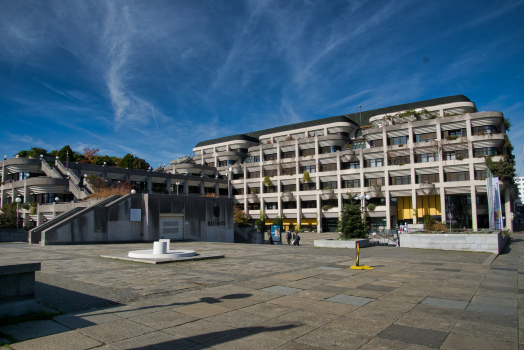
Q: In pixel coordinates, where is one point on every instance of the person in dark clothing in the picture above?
(296, 241)
(288, 237)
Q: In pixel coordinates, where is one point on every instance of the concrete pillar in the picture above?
(443, 204)
(438, 128)
(149, 182)
(263, 207)
(186, 187)
(54, 209)
(217, 187)
(388, 209)
(468, 134)
(414, 202)
(39, 219)
(26, 192)
(3, 194)
(168, 185)
(474, 208)
(361, 170)
(299, 210)
(507, 204)
(202, 189)
(319, 212)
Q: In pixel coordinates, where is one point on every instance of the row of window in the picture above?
(381, 201)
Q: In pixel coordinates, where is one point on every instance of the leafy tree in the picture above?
(97, 182)
(351, 224)
(8, 217)
(141, 164)
(260, 224)
(90, 155)
(108, 160)
(278, 221)
(127, 161)
(63, 154)
(503, 169)
(34, 152)
(239, 216)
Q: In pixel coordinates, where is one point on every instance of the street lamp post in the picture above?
(18, 200)
(363, 198)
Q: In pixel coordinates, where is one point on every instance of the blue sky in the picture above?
(156, 77)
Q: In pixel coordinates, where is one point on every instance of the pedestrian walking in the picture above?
(296, 241)
(288, 237)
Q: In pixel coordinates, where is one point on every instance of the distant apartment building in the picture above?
(410, 164)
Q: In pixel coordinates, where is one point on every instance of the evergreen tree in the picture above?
(127, 161)
(63, 154)
(351, 224)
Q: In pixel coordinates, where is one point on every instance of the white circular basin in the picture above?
(171, 254)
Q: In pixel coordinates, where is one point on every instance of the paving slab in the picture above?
(81, 320)
(494, 301)
(494, 309)
(242, 339)
(33, 329)
(419, 336)
(362, 326)
(201, 310)
(437, 311)
(427, 322)
(454, 304)
(155, 340)
(329, 268)
(200, 331)
(111, 332)
(464, 342)
(484, 330)
(238, 319)
(282, 290)
(349, 299)
(377, 288)
(383, 344)
(311, 317)
(163, 319)
(491, 318)
(447, 270)
(61, 341)
(327, 338)
(269, 310)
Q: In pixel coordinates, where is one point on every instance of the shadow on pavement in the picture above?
(65, 300)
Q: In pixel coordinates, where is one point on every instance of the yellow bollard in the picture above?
(357, 264)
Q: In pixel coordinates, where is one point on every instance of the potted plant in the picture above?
(306, 177)
(328, 192)
(375, 191)
(427, 187)
(371, 206)
(252, 196)
(287, 196)
(267, 181)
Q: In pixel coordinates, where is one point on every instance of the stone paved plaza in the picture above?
(264, 297)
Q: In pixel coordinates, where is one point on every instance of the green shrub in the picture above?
(371, 206)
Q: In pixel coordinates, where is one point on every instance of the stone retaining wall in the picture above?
(489, 243)
(13, 236)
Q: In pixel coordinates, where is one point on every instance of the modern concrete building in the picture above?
(419, 158)
(414, 159)
(165, 198)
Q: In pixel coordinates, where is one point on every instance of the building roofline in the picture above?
(352, 118)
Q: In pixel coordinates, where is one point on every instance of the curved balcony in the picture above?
(38, 185)
(22, 165)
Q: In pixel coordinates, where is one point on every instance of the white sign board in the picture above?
(135, 215)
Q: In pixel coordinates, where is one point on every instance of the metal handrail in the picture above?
(67, 170)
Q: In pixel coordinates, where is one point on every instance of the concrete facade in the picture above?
(111, 222)
(388, 156)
